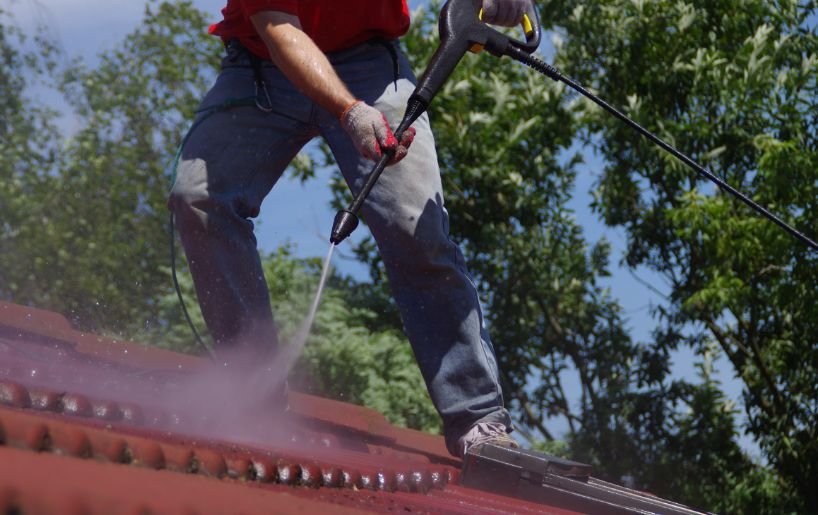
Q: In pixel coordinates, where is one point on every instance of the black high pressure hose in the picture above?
(554, 74)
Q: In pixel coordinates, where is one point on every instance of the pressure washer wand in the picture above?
(460, 31)
(554, 74)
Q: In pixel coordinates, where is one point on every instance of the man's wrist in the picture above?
(346, 109)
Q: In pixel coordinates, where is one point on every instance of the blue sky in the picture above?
(300, 214)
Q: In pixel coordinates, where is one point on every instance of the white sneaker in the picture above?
(485, 432)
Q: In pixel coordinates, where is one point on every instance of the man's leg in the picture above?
(438, 302)
(231, 159)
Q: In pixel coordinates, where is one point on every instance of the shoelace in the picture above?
(486, 432)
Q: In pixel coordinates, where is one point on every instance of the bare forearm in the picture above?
(297, 56)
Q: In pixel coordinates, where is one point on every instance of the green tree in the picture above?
(90, 241)
(734, 84)
(506, 139)
(27, 154)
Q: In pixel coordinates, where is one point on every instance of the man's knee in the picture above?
(189, 198)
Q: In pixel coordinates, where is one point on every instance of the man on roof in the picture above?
(334, 69)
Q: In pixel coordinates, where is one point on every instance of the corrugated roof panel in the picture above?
(125, 453)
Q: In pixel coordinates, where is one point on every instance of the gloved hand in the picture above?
(507, 13)
(371, 134)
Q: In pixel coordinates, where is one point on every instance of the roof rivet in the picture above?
(402, 482)
(37, 438)
(211, 463)
(420, 481)
(368, 482)
(264, 470)
(77, 405)
(452, 476)
(332, 477)
(180, 459)
(439, 479)
(352, 479)
(311, 475)
(240, 468)
(45, 400)
(148, 454)
(115, 451)
(386, 481)
(13, 394)
(132, 414)
(107, 410)
(288, 474)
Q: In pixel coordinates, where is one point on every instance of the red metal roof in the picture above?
(75, 439)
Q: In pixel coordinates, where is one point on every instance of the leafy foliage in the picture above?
(504, 140)
(505, 137)
(91, 243)
(27, 154)
(82, 231)
(734, 84)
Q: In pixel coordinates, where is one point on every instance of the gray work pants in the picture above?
(233, 158)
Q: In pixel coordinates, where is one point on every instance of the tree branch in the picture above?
(536, 420)
(756, 358)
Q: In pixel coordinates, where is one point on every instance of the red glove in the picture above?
(371, 134)
(507, 13)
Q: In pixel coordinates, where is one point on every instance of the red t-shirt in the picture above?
(332, 24)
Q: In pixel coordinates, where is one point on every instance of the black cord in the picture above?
(554, 74)
(199, 340)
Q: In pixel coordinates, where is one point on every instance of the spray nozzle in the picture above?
(345, 222)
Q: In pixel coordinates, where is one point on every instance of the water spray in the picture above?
(287, 355)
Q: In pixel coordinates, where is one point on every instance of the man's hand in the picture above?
(507, 13)
(371, 134)
(309, 70)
